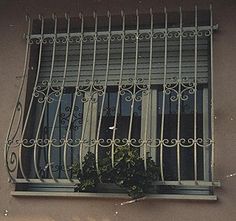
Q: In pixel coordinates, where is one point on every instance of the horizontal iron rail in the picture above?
(127, 32)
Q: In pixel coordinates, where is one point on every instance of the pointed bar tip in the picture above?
(108, 14)
(41, 17)
(27, 17)
(165, 11)
(94, 14)
(67, 16)
(54, 16)
(150, 10)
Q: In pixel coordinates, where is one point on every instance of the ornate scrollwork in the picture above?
(47, 91)
(134, 89)
(153, 143)
(174, 34)
(77, 117)
(17, 126)
(169, 142)
(131, 36)
(109, 111)
(12, 162)
(172, 88)
(160, 34)
(145, 36)
(92, 90)
(186, 142)
(117, 37)
(204, 142)
(11, 144)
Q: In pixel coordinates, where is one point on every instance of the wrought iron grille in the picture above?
(149, 87)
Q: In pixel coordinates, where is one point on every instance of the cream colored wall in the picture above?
(12, 26)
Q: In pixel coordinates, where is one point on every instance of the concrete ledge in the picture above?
(111, 195)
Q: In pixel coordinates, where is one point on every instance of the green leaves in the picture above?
(88, 177)
(128, 172)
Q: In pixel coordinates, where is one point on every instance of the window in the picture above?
(147, 86)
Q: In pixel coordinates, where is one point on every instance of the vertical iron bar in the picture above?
(149, 90)
(195, 93)
(163, 97)
(71, 136)
(179, 94)
(59, 104)
(91, 88)
(26, 61)
(77, 82)
(212, 101)
(135, 76)
(118, 103)
(47, 123)
(104, 92)
(45, 98)
(206, 132)
(60, 152)
(37, 76)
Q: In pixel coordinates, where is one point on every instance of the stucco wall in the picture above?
(12, 48)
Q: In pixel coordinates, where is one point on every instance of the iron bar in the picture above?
(77, 81)
(118, 103)
(58, 107)
(91, 89)
(24, 73)
(135, 77)
(195, 93)
(179, 94)
(164, 97)
(149, 91)
(49, 85)
(104, 91)
(32, 99)
(212, 98)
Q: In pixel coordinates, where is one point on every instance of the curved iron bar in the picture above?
(7, 146)
(59, 94)
(113, 141)
(180, 36)
(148, 92)
(90, 90)
(103, 91)
(45, 99)
(165, 37)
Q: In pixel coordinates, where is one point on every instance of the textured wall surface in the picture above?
(12, 48)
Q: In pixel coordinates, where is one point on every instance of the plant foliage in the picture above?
(128, 172)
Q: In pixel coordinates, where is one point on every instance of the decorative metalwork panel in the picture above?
(149, 88)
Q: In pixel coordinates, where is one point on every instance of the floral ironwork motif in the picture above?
(77, 121)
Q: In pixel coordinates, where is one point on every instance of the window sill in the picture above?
(112, 195)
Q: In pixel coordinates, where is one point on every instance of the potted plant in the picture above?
(128, 172)
(88, 176)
